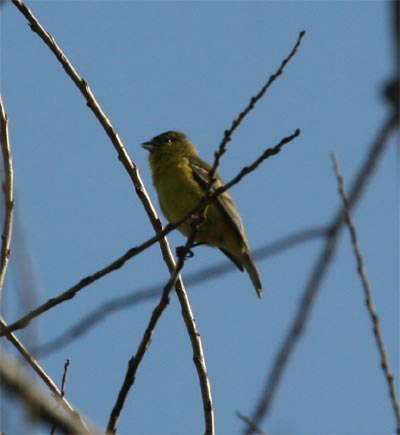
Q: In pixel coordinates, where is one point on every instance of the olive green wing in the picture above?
(224, 201)
(226, 205)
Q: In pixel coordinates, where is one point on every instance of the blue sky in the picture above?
(192, 66)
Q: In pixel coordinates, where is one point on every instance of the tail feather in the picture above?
(253, 272)
(247, 262)
(234, 260)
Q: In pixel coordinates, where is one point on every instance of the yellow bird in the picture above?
(180, 178)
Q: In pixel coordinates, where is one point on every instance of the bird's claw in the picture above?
(181, 252)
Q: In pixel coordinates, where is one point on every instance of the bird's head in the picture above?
(171, 142)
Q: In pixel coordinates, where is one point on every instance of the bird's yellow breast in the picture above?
(177, 190)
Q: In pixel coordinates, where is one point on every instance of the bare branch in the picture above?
(64, 378)
(318, 272)
(237, 121)
(8, 189)
(70, 293)
(62, 391)
(39, 405)
(369, 300)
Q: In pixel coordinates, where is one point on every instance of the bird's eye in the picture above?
(168, 140)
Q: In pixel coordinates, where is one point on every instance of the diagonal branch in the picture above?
(369, 300)
(250, 423)
(93, 104)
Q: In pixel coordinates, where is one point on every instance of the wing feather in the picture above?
(224, 201)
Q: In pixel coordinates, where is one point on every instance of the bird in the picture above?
(180, 178)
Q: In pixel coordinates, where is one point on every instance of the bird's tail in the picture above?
(251, 268)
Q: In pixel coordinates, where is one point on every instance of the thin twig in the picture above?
(8, 188)
(369, 300)
(62, 390)
(64, 378)
(70, 293)
(40, 406)
(135, 297)
(237, 121)
(318, 272)
(44, 376)
(198, 355)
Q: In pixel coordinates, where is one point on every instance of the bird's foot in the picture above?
(182, 252)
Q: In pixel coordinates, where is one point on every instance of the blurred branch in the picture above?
(70, 293)
(8, 189)
(135, 297)
(251, 424)
(318, 272)
(395, 16)
(24, 274)
(198, 355)
(42, 374)
(39, 406)
(369, 300)
(392, 87)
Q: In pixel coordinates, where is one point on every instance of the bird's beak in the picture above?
(148, 145)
